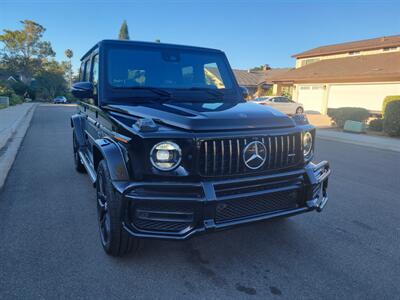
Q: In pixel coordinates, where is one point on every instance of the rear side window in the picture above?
(95, 69)
(87, 70)
(82, 72)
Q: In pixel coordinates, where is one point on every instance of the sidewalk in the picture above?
(378, 142)
(14, 122)
(10, 118)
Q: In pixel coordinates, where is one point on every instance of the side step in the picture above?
(89, 168)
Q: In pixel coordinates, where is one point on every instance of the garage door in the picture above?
(369, 96)
(311, 96)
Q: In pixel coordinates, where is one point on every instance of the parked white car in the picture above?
(281, 103)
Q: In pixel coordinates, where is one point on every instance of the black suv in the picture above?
(174, 150)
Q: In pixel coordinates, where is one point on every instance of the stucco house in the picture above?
(357, 74)
(252, 79)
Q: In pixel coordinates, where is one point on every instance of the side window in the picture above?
(284, 100)
(95, 69)
(87, 70)
(82, 72)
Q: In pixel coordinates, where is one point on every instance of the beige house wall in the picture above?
(342, 55)
(368, 95)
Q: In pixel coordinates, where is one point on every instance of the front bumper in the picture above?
(173, 210)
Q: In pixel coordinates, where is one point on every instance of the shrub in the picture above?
(376, 125)
(16, 99)
(5, 91)
(343, 114)
(387, 100)
(391, 124)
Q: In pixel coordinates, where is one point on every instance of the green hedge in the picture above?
(343, 114)
(387, 100)
(376, 125)
(391, 123)
(15, 99)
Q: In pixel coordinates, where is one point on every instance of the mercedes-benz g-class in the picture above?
(174, 150)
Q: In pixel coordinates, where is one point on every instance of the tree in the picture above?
(50, 80)
(261, 91)
(261, 68)
(123, 32)
(69, 54)
(24, 51)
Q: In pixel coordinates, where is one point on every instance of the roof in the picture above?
(152, 44)
(254, 78)
(362, 68)
(370, 44)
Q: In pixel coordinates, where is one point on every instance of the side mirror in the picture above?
(245, 92)
(82, 90)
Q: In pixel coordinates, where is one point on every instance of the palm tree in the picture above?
(69, 54)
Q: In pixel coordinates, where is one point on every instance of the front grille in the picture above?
(256, 205)
(222, 157)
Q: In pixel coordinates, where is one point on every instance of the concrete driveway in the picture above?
(50, 246)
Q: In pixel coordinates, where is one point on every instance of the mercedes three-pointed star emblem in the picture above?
(254, 155)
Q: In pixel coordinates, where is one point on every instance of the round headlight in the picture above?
(307, 144)
(165, 156)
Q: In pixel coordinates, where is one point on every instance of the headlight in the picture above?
(307, 144)
(165, 156)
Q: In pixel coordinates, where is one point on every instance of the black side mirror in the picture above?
(82, 90)
(245, 92)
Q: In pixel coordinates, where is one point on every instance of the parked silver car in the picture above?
(59, 100)
(281, 103)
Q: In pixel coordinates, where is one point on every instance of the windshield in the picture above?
(167, 69)
(261, 99)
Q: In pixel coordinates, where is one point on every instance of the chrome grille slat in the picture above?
(276, 152)
(206, 157)
(214, 157)
(238, 156)
(282, 151)
(269, 152)
(230, 156)
(222, 157)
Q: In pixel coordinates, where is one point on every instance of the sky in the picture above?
(251, 32)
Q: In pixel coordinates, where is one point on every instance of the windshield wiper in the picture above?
(158, 91)
(207, 90)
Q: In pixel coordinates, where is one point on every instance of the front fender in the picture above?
(112, 153)
(78, 125)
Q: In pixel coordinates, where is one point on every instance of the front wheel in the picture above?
(114, 239)
(299, 110)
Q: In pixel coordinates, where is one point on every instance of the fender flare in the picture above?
(114, 157)
(77, 123)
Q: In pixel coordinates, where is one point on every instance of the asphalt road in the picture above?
(50, 248)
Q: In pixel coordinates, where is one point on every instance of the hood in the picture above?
(208, 116)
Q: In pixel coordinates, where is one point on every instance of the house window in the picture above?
(354, 52)
(305, 62)
(389, 49)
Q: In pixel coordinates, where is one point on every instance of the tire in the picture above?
(299, 110)
(77, 160)
(114, 239)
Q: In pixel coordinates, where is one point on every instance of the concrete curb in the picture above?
(4, 137)
(11, 145)
(379, 146)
